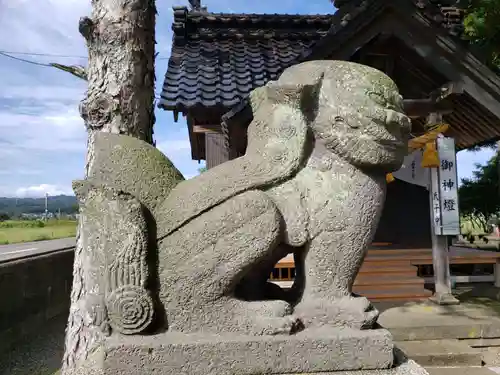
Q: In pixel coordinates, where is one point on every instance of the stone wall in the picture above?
(33, 291)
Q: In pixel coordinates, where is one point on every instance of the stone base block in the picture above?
(444, 299)
(310, 351)
(408, 367)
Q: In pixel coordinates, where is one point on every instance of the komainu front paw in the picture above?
(287, 325)
(350, 311)
(270, 318)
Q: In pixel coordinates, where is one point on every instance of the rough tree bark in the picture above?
(498, 156)
(120, 97)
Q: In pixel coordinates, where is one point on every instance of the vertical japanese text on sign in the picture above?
(448, 187)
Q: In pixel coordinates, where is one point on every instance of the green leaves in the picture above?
(479, 196)
(482, 28)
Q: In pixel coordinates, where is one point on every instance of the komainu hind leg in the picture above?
(202, 263)
(255, 286)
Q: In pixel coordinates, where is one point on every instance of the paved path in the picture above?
(462, 370)
(10, 252)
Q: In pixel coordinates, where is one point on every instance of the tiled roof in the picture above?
(439, 13)
(444, 13)
(217, 59)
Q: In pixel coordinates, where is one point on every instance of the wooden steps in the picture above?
(363, 281)
(392, 270)
(393, 287)
(391, 273)
(389, 278)
(407, 294)
(386, 274)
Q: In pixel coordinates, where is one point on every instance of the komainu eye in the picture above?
(379, 98)
(339, 120)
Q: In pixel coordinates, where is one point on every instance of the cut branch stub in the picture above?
(85, 26)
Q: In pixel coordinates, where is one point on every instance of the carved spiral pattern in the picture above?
(278, 153)
(286, 131)
(130, 309)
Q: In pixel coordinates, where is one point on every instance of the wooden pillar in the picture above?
(440, 249)
(215, 152)
(441, 266)
(496, 272)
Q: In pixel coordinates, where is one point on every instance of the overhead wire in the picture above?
(42, 54)
(24, 60)
(10, 54)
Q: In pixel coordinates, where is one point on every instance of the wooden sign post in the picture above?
(445, 217)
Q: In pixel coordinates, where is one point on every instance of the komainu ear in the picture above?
(257, 97)
(309, 101)
(303, 95)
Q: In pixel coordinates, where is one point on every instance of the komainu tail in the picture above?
(130, 165)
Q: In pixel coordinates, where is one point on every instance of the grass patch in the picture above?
(468, 227)
(480, 295)
(17, 231)
(486, 302)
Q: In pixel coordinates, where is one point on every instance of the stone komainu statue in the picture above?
(195, 255)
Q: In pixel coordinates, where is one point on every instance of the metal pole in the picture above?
(46, 206)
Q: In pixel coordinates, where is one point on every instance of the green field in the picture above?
(16, 231)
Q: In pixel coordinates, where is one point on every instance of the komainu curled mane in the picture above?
(312, 182)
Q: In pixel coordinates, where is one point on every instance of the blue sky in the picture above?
(42, 138)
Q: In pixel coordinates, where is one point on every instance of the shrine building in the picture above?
(217, 59)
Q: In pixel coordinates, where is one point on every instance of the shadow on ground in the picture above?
(39, 354)
(480, 296)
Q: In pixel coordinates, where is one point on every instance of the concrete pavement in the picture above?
(26, 249)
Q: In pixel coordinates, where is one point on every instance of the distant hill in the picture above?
(67, 204)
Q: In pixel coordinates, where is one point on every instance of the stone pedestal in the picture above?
(408, 367)
(170, 249)
(444, 299)
(339, 351)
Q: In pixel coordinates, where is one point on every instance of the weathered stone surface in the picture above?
(312, 183)
(409, 367)
(441, 353)
(195, 354)
(116, 225)
(428, 321)
(133, 166)
(207, 256)
(491, 356)
(323, 137)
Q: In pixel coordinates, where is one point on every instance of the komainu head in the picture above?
(354, 110)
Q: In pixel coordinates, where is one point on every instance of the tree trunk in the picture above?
(498, 156)
(120, 99)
